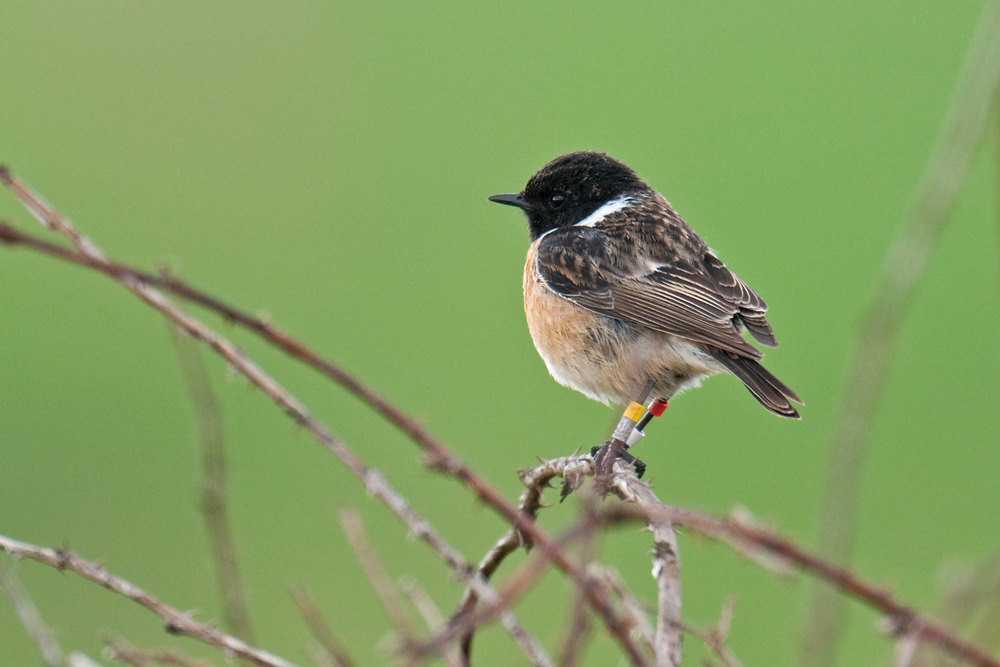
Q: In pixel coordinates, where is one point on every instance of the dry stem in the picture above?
(213, 504)
(177, 622)
(39, 632)
(622, 482)
(380, 582)
(140, 657)
(321, 630)
(904, 264)
(373, 480)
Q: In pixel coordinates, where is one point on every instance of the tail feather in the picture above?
(772, 393)
(758, 328)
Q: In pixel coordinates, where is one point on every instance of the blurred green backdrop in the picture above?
(329, 163)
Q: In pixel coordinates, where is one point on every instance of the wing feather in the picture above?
(695, 297)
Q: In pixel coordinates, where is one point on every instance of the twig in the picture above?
(966, 589)
(666, 562)
(463, 624)
(636, 612)
(423, 603)
(380, 582)
(432, 616)
(78, 659)
(177, 622)
(746, 539)
(986, 631)
(438, 457)
(904, 620)
(715, 637)
(122, 652)
(904, 264)
(320, 657)
(579, 622)
(623, 482)
(535, 481)
(213, 504)
(578, 634)
(39, 632)
(321, 630)
(906, 649)
(373, 480)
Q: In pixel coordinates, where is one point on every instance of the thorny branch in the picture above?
(524, 532)
(177, 622)
(440, 457)
(623, 482)
(904, 620)
(535, 481)
(374, 483)
(763, 545)
(516, 585)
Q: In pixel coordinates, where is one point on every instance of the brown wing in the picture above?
(698, 300)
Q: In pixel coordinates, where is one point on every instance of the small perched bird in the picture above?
(624, 299)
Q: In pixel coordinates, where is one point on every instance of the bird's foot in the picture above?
(606, 455)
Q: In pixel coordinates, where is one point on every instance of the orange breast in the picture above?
(600, 357)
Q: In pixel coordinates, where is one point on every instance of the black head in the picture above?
(571, 187)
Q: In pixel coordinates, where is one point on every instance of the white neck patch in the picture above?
(604, 211)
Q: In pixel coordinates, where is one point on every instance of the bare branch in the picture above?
(438, 456)
(321, 630)
(423, 603)
(432, 616)
(748, 538)
(906, 648)
(636, 612)
(965, 589)
(373, 480)
(986, 630)
(715, 637)
(623, 482)
(213, 504)
(320, 656)
(903, 620)
(904, 264)
(78, 659)
(139, 657)
(380, 582)
(177, 622)
(535, 481)
(463, 624)
(32, 621)
(666, 562)
(579, 623)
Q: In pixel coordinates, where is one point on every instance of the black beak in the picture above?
(511, 200)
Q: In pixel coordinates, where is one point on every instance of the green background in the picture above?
(328, 164)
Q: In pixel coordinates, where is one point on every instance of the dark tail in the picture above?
(769, 390)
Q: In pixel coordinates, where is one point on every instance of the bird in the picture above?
(624, 300)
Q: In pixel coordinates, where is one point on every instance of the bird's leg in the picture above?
(617, 448)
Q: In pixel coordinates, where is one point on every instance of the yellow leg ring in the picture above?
(634, 411)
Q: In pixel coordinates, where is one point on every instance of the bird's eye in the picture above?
(556, 201)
